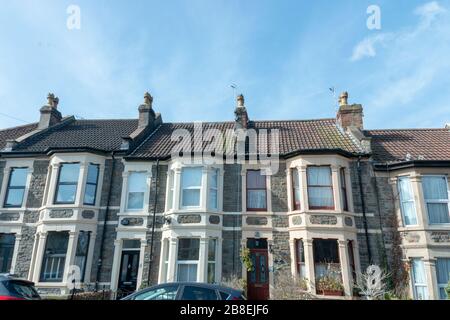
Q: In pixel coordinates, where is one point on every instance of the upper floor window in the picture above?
(16, 187)
(213, 189)
(137, 185)
(407, 206)
(66, 188)
(435, 192)
(171, 191)
(191, 184)
(343, 183)
(256, 191)
(295, 189)
(320, 188)
(91, 184)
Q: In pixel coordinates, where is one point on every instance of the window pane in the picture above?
(54, 256)
(15, 197)
(296, 189)
(256, 199)
(320, 197)
(213, 177)
(212, 250)
(211, 272)
(409, 213)
(69, 172)
(92, 174)
(137, 182)
(319, 176)
(135, 200)
(187, 272)
(188, 249)
(255, 180)
(407, 201)
(191, 177)
(165, 293)
(326, 251)
(7, 242)
(82, 252)
(170, 195)
(66, 193)
(443, 275)
(89, 194)
(420, 281)
(435, 188)
(18, 177)
(191, 198)
(438, 212)
(197, 293)
(405, 189)
(213, 198)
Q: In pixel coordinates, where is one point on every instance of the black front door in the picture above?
(129, 267)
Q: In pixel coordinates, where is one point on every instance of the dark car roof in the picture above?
(10, 277)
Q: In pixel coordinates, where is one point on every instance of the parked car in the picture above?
(13, 288)
(187, 291)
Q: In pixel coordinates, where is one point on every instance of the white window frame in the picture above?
(128, 169)
(170, 190)
(401, 201)
(11, 164)
(413, 280)
(211, 173)
(130, 173)
(199, 188)
(188, 262)
(214, 262)
(438, 201)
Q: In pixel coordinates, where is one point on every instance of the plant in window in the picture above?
(447, 290)
(246, 259)
(330, 283)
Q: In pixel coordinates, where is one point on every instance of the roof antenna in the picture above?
(333, 92)
(233, 86)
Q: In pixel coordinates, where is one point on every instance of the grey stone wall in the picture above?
(153, 263)
(379, 202)
(231, 260)
(37, 185)
(279, 189)
(162, 182)
(232, 188)
(281, 251)
(116, 188)
(107, 255)
(25, 251)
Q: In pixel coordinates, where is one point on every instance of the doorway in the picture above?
(258, 277)
(129, 268)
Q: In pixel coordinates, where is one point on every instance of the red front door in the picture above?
(258, 277)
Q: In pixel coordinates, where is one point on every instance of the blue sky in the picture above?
(282, 55)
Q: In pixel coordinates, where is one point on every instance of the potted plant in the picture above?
(329, 286)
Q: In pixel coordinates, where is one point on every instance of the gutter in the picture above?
(153, 223)
(102, 243)
(363, 206)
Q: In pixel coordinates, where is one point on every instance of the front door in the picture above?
(129, 267)
(258, 277)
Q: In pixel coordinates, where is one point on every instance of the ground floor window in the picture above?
(187, 259)
(443, 275)
(82, 252)
(300, 258)
(54, 256)
(419, 280)
(7, 242)
(351, 258)
(212, 244)
(166, 256)
(326, 257)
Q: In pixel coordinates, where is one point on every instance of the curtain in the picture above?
(420, 280)
(443, 275)
(319, 176)
(137, 185)
(436, 196)
(187, 272)
(320, 190)
(407, 201)
(191, 181)
(256, 199)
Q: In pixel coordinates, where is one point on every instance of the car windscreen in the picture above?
(22, 289)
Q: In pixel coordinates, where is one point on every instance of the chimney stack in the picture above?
(49, 113)
(241, 116)
(146, 114)
(349, 116)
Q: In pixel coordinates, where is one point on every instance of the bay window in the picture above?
(81, 253)
(256, 191)
(212, 244)
(443, 275)
(170, 191)
(295, 189)
(343, 182)
(320, 188)
(7, 242)
(435, 192)
(213, 188)
(187, 260)
(16, 187)
(191, 184)
(300, 258)
(137, 185)
(326, 258)
(66, 187)
(419, 280)
(91, 184)
(407, 206)
(52, 269)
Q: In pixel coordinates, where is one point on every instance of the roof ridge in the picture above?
(146, 139)
(411, 129)
(260, 121)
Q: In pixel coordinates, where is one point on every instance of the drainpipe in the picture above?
(153, 222)
(363, 206)
(102, 243)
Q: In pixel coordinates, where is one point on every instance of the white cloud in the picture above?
(429, 12)
(366, 48)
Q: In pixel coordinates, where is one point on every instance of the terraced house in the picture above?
(107, 201)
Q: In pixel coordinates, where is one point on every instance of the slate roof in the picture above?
(422, 144)
(296, 135)
(14, 133)
(102, 135)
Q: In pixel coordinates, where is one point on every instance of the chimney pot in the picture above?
(49, 113)
(146, 114)
(241, 115)
(240, 101)
(343, 99)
